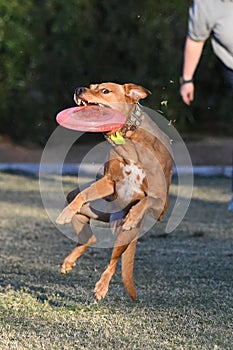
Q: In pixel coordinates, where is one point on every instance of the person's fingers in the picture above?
(187, 92)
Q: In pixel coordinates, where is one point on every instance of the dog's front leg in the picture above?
(136, 213)
(100, 189)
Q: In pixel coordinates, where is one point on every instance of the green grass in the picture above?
(184, 279)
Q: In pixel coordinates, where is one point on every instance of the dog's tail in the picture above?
(127, 269)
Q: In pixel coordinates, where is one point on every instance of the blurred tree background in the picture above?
(50, 47)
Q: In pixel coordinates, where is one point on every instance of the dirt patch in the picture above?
(13, 153)
(205, 151)
(211, 151)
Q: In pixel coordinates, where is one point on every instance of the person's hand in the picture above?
(187, 92)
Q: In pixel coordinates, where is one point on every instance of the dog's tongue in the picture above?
(91, 118)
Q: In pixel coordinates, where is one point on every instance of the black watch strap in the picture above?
(183, 81)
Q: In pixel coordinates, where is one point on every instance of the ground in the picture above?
(183, 279)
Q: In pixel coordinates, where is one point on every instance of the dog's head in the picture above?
(116, 96)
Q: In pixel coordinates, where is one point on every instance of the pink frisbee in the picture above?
(92, 118)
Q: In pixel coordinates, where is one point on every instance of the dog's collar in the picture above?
(132, 123)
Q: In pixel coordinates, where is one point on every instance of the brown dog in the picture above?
(137, 176)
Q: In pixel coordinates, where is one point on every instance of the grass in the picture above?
(184, 279)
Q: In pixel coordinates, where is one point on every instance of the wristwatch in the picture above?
(183, 81)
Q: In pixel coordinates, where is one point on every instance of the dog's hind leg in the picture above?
(81, 226)
(127, 264)
(127, 267)
(124, 241)
(101, 287)
(86, 239)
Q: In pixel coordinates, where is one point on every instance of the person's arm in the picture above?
(192, 53)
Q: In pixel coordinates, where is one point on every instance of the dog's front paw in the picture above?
(132, 219)
(65, 217)
(130, 223)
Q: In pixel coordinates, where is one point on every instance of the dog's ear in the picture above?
(136, 92)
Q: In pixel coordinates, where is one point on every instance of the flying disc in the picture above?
(93, 118)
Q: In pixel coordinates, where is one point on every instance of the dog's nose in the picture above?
(79, 90)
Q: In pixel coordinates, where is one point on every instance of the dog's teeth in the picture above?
(80, 102)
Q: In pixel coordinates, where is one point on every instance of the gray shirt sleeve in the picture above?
(214, 19)
(199, 26)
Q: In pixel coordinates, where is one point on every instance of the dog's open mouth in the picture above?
(84, 103)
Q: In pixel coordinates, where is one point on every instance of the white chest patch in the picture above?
(132, 180)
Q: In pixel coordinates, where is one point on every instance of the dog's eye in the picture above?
(105, 91)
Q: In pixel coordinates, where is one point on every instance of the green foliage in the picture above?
(50, 47)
